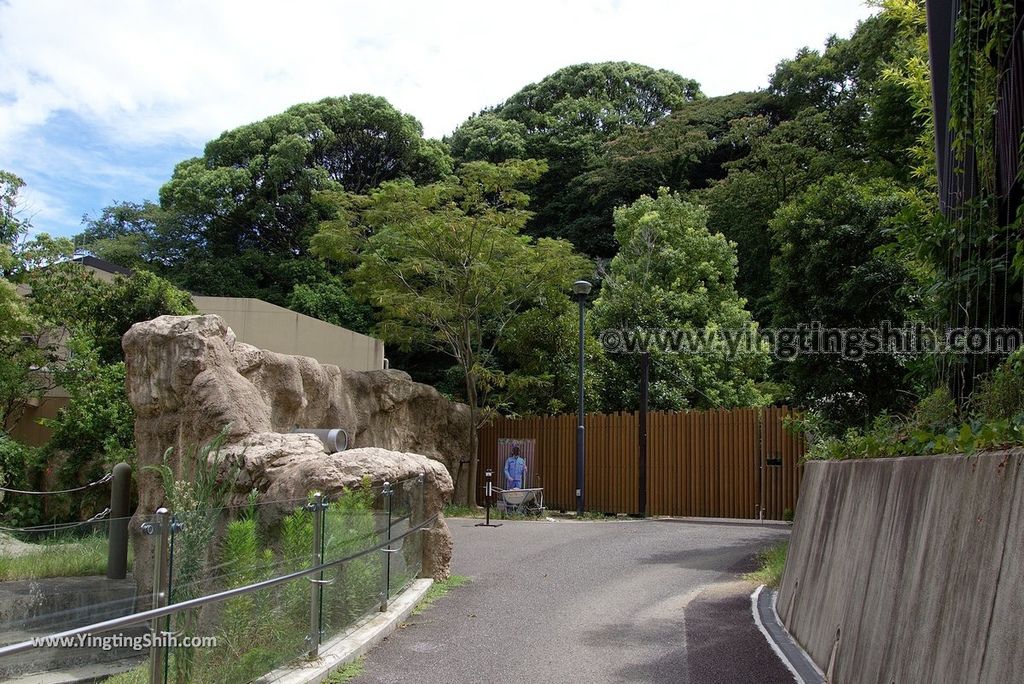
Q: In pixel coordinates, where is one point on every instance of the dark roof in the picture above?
(102, 265)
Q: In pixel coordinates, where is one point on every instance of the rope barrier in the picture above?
(59, 526)
(103, 480)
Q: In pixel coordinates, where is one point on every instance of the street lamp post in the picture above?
(581, 288)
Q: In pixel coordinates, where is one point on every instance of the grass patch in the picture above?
(437, 590)
(137, 675)
(773, 560)
(82, 557)
(346, 673)
(454, 511)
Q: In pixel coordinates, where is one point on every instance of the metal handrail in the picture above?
(156, 613)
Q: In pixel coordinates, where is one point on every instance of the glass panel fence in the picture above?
(354, 521)
(407, 513)
(52, 579)
(243, 637)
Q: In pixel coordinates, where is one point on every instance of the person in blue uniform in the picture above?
(515, 469)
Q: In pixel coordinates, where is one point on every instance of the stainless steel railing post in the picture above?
(161, 529)
(388, 492)
(316, 507)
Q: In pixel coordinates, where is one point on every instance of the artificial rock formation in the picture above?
(287, 467)
(188, 378)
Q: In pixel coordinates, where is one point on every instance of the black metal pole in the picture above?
(488, 496)
(645, 364)
(580, 436)
(120, 495)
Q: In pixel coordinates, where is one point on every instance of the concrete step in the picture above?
(81, 674)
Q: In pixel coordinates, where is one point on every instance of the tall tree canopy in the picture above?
(237, 221)
(488, 137)
(252, 187)
(565, 119)
(831, 269)
(827, 112)
(448, 267)
(672, 274)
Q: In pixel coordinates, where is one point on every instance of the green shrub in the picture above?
(350, 527)
(1001, 394)
(245, 620)
(933, 428)
(196, 497)
(96, 429)
(20, 467)
(296, 542)
(936, 412)
(773, 562)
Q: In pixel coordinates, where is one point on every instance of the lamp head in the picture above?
(581, 288)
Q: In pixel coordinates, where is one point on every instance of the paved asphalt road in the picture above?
(582, 602)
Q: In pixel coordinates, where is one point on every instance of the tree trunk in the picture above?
(472, 398)
(474, 462)
(471, 488)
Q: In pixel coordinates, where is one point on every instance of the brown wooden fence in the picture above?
(727, 463)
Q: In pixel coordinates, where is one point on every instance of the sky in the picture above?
(99, 100)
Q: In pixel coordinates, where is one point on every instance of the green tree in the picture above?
(27, 346)
(831, 268)
(237, 220)
(96, 428)
(671, 273)
(331, 301)
(781, 161)
(252, 187)
(139, 236)
(126, 301)
(841, 110)
(23, 353)
(567, 117)
(63, 326)
(540, 349)
(682, 151)
(685, 151)
(11, 226)
(488, 137)
(447, 266)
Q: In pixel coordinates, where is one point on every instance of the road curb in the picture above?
(796, 660)
(344, 649)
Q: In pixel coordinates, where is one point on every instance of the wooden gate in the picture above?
(726, 463)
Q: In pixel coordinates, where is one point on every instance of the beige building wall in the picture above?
(28, 430)
(272, 327)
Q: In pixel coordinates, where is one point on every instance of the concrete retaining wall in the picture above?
(910, 569)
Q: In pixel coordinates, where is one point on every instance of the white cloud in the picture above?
(40, 208)
(147, 71)
(86, 86)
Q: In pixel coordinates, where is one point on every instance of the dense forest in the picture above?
(810, 200)
(787, 197)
